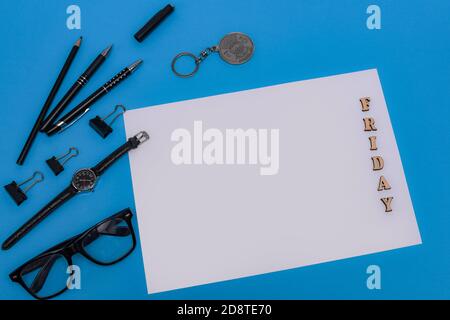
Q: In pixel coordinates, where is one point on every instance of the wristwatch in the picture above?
(84, 180)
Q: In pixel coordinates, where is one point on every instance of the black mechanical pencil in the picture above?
(80, 110)
(34, 131)
(74, 89)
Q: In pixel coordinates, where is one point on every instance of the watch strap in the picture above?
(62, 197)
(131, 144)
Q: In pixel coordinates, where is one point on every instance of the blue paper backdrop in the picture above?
(294, 40)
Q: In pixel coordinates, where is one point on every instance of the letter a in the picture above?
(383, 184)
(181, 152)
(374, 280)
(74, 279)
(374, 20)
(74, 20)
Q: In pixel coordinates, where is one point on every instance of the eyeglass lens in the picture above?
(109, 242)
(46, 276)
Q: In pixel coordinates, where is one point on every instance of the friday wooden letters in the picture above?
(377, 160)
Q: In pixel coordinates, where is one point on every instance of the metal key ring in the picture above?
(185, 54)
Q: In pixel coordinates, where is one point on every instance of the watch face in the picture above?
(84, 180)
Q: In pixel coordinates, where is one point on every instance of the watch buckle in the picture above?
(142, 136)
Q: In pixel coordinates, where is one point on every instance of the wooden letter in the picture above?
(383, 184)
(378, 163)
(373, 143)
(387, 203)
(369, 124)
(365, 103)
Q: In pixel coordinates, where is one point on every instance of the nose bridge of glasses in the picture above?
(72, 249)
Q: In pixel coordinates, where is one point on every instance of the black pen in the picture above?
(81, 81)
(34, 131)
(80, 110)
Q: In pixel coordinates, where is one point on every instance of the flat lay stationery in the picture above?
(248, 171)
(316, 176)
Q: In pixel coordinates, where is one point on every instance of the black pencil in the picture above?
(48, 102)
(71, 93)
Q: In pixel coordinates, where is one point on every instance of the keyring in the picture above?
(234, 48)
(185, 54)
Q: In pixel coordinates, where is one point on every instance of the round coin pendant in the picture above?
(236, 48)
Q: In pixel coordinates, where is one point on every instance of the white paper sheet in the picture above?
(203, 223)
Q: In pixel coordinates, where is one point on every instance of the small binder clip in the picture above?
(56, 166)
(18, 194)
(103, 128)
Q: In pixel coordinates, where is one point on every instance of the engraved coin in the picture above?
(236, 48)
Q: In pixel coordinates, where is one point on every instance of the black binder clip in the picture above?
(103, 128)
(17, 193)
(56, 166)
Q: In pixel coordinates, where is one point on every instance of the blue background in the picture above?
(294, 40)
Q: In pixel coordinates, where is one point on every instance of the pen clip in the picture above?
(66, 125)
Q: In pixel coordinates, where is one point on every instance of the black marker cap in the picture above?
(153, 22)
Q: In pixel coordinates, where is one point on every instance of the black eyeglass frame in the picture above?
(73, 246)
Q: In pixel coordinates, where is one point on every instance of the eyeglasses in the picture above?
(106, 243)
